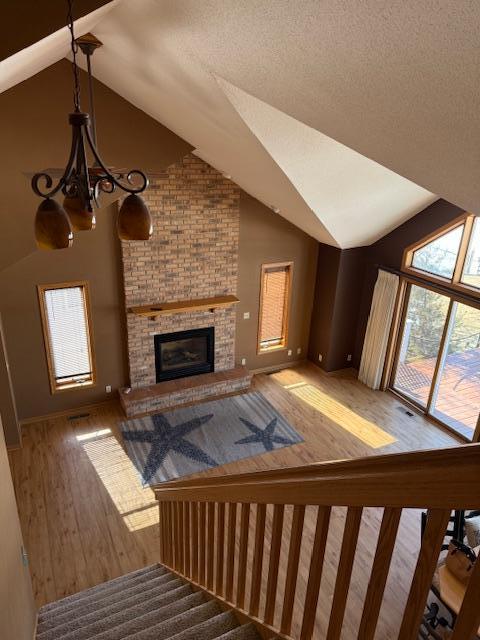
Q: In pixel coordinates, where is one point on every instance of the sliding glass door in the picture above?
(438, 358)
(456, 396)
(423, 327)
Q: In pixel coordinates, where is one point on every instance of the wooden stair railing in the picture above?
(200, 539)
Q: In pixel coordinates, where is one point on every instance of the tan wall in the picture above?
(17, 608)
(35, 135)
(7, 399)
(95, 258)
(266, 237)
(35, 131)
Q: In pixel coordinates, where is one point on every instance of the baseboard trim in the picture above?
(70, 412)
(335, 372)
(278, 367)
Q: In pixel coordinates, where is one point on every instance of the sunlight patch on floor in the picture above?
(91, 435)
(142, 518)
(366, 431)
(137, 505)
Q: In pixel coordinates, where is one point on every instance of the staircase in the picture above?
(200, 591)
(203, 540)
(149, 604)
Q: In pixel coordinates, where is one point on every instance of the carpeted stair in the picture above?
(149, 604)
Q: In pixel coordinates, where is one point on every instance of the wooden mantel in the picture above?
(184, 306)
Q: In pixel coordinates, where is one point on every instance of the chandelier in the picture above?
(80, 184)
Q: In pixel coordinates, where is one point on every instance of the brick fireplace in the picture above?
(193, 254)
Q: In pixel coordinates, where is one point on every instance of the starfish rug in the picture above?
(186, 440)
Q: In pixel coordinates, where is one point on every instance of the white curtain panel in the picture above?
(378, 329)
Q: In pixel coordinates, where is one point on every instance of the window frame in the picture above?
(41, 289)
(395, 341)
(455, 282)
(288, 265)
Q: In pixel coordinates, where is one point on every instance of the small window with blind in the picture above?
(67, 333)
(274, 306)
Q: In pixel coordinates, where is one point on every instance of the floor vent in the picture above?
(410, 414)
(78, 416)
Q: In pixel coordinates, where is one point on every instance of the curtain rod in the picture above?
(440, 287)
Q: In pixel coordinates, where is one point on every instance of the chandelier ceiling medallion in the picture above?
(80, 184)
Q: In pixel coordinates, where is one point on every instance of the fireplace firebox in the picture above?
(184, 353)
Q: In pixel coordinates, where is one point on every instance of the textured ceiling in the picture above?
(357, 199)
(317, 108)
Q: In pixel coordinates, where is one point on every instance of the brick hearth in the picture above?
(192, 254)
(174, 393)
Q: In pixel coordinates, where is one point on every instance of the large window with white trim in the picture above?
(67, 334)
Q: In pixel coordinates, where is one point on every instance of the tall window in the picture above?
(67, 333)
(437, 362)
(274, 306)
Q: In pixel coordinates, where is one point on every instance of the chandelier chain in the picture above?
(74, 48)
(80, 183)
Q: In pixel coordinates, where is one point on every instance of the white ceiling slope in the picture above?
(224, 74)
(357, 199)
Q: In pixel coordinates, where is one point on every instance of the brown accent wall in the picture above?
(30, 21)
(17, 607)
(344, 287)
(334, 317)
(34, 129)
(266, 237)
(324, 303)
(388, 251)
(348, 295)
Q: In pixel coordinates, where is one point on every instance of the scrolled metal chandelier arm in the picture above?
(42, 175)
(110, 178)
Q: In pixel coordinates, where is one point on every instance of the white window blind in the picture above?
(67, 325)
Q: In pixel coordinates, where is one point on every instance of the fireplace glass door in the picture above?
(184, 353)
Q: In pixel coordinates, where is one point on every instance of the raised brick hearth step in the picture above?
(174, 393)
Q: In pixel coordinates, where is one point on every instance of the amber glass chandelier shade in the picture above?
(52, 226)
(134, 220)
(80, 218)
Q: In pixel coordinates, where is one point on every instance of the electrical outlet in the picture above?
(320, 357)
(246, 315)
(299, 351)
(349, 357)
(289, 352)
(108, 388)
(244, 361)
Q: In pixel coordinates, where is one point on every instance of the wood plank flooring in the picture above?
(86, 518)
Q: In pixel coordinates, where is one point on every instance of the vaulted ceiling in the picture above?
(348, 116)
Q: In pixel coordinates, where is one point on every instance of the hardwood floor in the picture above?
(86, 518)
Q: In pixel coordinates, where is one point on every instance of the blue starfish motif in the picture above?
(264, 436)
(165, 438)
